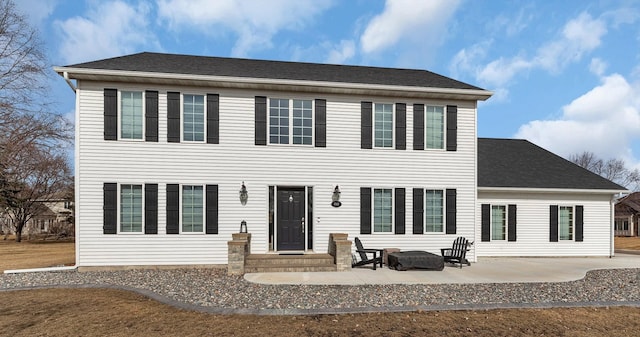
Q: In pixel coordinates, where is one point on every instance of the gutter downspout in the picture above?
(611, 226)
(68, 80)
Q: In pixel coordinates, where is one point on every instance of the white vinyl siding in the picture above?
(131, 116)
(382, 210)
(565, 223)
(131, 208)
(435, 127)
(192, 209)
(193, 118)
(434, 211)
(383, 125)
(498, 222)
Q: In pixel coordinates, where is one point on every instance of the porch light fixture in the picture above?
(335, 197)
(243, 226)
(244, 195)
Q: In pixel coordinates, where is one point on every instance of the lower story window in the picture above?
(131, 208)
(382, 210)
(434, 211)
(498, 222)
(192, 209)
(565, 223)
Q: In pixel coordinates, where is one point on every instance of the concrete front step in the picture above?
(256, 263)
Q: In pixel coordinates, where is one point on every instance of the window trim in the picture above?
(290, 118)
(120, 118)
(444, 127)
(393, 126)
(204, 118)
(373, 211)
(573, 223)
(119, 201)
(444, 210)
(204, 209)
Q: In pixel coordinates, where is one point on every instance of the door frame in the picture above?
(305, 238)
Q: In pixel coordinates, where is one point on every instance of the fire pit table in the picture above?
(415, 260)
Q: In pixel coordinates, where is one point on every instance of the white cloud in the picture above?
(345, 50)
(464, 60)
(255, 22)
(501, 71)
(597, 66)
(36, 11)
(109, 29)
(415, 20)
(605, 121)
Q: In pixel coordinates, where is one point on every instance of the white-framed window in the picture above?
(131, 115)
(193, 119)
(383, 125)
(435, 123)
(498, 222)
(131, 213)
(291, 121)
(192, 214)
(382, 210)
(434, 211)
(565, 222)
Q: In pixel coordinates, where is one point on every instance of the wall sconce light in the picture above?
(335, 197)
(244, 195)
(243, 226)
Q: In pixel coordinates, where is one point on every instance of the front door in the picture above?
(291, 221)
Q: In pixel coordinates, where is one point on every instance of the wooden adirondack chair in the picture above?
(364, 258)
(458, 252)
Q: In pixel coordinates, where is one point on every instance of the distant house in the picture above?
(54, 217)
(627, 212)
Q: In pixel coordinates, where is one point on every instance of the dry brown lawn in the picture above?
(631, 243)
(102, 312)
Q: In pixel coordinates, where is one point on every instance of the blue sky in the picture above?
(566, 74)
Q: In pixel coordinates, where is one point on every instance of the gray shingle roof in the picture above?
(221, 66)
(519, 163)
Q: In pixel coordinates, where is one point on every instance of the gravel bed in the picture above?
(213, 288)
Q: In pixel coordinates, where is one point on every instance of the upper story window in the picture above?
(565, 222)
(131, 121)
(498, 222)
(434, 211)
(383, 125)
(131, 208)
(382, 210)
(434, 127)
(290, 121)
(193, 118)
(192, 209)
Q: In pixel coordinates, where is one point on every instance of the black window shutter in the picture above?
(261, 120)
(400, 210)
(173, 117)
(485, 221)
(321, 123)
(451, 211)
(151, 116)
(365, 210)
(213, 119)
(366, 124)
(401, 126)
(110, 114)
(418, 211)
(110, 208)
(173, 209)
(452, 127)
(212, 209)
(553, 223)
(151, 208)
(418, 126)
(512, 217)
(579, 223)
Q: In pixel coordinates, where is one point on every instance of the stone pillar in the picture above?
(243, 237)
(343, 255)
(333, 237)
(239, 249)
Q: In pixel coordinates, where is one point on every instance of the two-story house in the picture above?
(174, 152)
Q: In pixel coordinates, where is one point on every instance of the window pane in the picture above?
(193, 113)
(278, 121)
(383, 125)
(131, 115)
(131, 208)
(565, 223)
(434, 211)
(435, 127)
(382, 210)
(192, 208)
(498, 222)
(302, 122)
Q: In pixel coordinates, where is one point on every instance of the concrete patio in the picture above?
(486, 270)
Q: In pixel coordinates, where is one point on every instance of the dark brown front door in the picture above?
(291, 205)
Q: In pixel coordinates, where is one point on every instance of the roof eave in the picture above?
(551, 190)
(272, 84)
